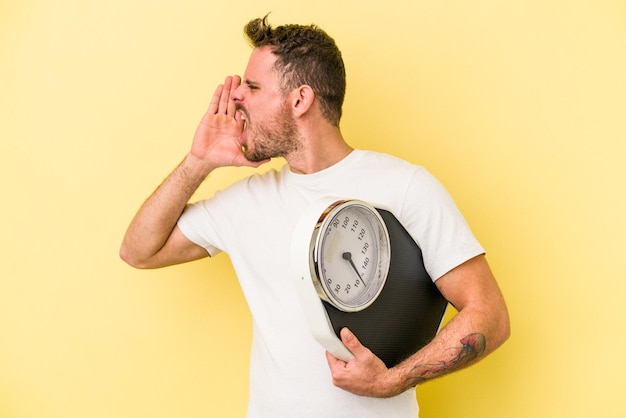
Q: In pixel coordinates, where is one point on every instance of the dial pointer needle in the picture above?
(348, 256)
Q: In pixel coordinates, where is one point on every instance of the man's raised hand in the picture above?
(217, 139)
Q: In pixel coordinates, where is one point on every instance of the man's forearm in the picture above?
(462, 353)
(462, 342)
(157, 217)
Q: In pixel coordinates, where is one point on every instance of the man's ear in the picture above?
(302, 100)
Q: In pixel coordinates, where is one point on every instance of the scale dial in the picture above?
(350, 255)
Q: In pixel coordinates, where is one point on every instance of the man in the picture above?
(289, 105)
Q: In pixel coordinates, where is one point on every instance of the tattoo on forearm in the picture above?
(472, 347)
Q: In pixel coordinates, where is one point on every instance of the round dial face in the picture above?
(351, 255)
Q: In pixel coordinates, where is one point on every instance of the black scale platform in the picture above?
(408, 312)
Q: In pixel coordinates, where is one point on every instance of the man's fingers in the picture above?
(225, 96)
(349, 339)
(236, 81)
(222, 102)
(215, 100)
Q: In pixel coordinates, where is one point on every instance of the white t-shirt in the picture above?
(253, 221)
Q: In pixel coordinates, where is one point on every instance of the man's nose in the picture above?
(237, 95)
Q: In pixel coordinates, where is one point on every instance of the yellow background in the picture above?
(519, 107)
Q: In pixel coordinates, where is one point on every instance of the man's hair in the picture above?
(305, 55)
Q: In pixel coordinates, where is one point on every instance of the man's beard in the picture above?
(277, 138)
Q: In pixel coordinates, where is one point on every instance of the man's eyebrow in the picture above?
(251, 83)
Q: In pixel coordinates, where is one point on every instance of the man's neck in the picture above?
(319, 153)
